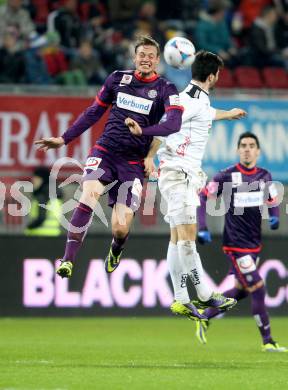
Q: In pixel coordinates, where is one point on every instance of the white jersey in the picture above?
(184, 150)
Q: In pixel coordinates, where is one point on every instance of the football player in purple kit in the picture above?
(245, 188)
(141, 95)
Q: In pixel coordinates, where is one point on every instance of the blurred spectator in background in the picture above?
(97, 16)
(242, 32)
(169, 10)
(87, 62)
(212, 33)
(53, 55)
(12, 64)
(179, 14)
(123, 14)
(281, 30)
(262, 42)
(146, 22)
(68, 24)
(43, 221)
(250, 10)
(14, 18)
(35, 66)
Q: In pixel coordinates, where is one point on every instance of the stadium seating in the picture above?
(248, 77)
(276, 78)
(226, 79)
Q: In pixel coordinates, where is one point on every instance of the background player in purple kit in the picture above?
(245, 188)
(140, 95)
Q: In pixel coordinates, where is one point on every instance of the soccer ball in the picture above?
(179, 52)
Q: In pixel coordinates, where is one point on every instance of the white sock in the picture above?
(190, 258)
(177, 273)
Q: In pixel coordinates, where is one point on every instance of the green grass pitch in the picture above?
(138, 353)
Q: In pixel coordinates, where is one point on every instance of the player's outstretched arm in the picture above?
(49, 143)
(171, 125)
(235, 113)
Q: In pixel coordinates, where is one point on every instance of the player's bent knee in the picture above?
(89, 199)
(186, 232)
(120, 231)
(92, 190)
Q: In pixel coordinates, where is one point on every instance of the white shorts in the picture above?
(180, 191)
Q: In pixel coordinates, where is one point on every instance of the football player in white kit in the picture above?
(181, 179)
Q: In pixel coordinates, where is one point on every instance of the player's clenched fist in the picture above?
(237, 113)
(134, 127)
(49, 143)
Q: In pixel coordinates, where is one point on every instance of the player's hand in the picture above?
(237, 113)
(274, 223)
(49, 143)
(204, 237)
(133, 126)
(149, 167)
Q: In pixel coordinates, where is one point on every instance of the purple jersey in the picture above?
(244, 191)
(144, 100)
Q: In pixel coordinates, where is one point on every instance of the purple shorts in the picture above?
(244, 267)
(125, 178)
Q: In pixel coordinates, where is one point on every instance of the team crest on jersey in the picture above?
(152, 93)
(126, 79)
(236, 179)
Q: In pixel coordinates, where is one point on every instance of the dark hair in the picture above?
(248, 135)
(146, 40)
(205, 63)
(267, 9)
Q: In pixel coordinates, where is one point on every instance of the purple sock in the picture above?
(235, 293)
(260, 314)
(118, 244)
(80, 218)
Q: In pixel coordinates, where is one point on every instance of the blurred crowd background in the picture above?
(79, 42)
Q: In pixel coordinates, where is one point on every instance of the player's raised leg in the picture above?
(236, 293)
(80, 221)
(122, 217)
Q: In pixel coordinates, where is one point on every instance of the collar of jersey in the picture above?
(203, 90)
(149, 80)
(246, 171)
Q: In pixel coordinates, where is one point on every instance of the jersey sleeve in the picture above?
(105, 96)
(171, 122)
(271, 192)
(271, 196)
(171, 98)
